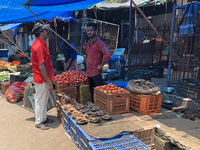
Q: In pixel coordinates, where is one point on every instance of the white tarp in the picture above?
(113, 6)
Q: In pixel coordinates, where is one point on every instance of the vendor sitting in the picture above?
(11, 52)
(70, 56)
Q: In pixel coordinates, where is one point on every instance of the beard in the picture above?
(91, 35)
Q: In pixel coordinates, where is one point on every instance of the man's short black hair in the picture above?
(65, 44)
(92, 24)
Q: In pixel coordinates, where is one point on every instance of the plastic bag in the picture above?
(15, 92)
(131, 86)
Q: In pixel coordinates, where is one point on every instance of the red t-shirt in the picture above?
(95, 54)
(40, 54)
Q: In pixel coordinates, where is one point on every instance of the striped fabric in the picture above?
(29, 90)
(51, 102)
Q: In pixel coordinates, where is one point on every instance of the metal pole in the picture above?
(22, 52)
(52, 30)
(165, 42)
(129, 42)
(136, 36)
(171, 44)
(122, 33)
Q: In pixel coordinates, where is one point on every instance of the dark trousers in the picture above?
(93, 82)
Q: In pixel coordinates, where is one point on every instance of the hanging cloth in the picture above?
(189, 19)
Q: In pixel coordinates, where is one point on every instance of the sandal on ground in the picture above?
(49, 121)
(42, 126)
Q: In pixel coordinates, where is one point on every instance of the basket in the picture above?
(5, 86)
(119, 83)
(140, 74)
(112, 103)
(84, 94)
(146, 135)
(189, 88)
(146, 104)
(13, 63)
(14, 78)
(126, 142)
(69, 91)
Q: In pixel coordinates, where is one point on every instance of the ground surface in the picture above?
(17, 130)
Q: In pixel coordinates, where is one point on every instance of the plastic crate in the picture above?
(146, 135)
(189, 88)
(140, 74)
(15, 78)
(84, 94)
(119, 83)
(84, 138)
(74, 130)
(146, 104)
(5, 86)
(112, 103)
(126, 142)
(66, 121)
(70, 91)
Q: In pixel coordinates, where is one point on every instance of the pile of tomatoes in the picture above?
(111, 89)
(71, 77)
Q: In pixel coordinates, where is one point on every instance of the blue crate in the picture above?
(66, 121)
(119, 83)
(74, 130)
(126, 142)
(84, 138)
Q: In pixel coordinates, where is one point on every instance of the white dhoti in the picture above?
(41, 99)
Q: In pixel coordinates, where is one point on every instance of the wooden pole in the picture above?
(164, 41)
(52, 30)
(22, 52)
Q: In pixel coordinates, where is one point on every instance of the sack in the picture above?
(50, 104)
(15, 92)
(134, 90)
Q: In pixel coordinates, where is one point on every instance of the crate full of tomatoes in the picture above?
(112, 99)
(71, 77)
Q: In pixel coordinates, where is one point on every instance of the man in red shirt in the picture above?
(42, 74)
(97, 54)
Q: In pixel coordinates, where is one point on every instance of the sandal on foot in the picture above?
(49, 121)
(42, 126)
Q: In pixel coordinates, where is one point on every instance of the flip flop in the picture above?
(49, 121)
(42, 126)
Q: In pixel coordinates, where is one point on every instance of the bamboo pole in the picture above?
(22, 52)
(164, 40)
(52, 30)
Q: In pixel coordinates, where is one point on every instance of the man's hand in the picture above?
(50, 86)
(99, 67)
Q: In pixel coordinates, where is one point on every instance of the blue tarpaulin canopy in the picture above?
(50, 3)
(12, 12)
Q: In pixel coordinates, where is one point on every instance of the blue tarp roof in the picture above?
(10, 26)
(12, 12)
(50, 3)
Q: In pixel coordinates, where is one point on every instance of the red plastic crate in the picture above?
(146, 104)
(112, 103)
(146, 135)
